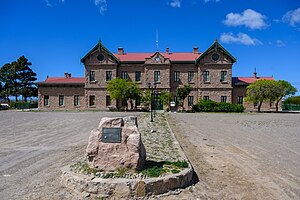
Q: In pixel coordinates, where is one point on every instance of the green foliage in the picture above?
(182, 93)
(146, 98)
(165, 98)
(175, 171)
(17, 78)
(179, 163)
(154, 171)
(123, 89)
(271, 90)
(292, 100)
(212, 106)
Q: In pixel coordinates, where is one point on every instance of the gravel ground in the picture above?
(35, 145)
(236, 156)
(241, 156)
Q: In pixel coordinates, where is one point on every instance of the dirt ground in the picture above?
(35, 145)
(236, 156)
(241, 156)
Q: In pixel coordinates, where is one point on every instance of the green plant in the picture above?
(212, 106)
(154, 171)
(108, 175)
(175, 171)
(84, 168)
(180, 164)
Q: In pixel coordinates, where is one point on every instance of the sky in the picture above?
(55, 34)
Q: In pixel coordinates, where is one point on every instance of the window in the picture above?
(206, 77)
(137, 76)
(92, 101)
(223, 99)
(156, 76)
(190, 100)
(60, 100)
(76, 100)
(108, 75)
(138, 101)
(176, 76)
(46, 100)
(124, 75)
(190, 76)
(92, 75)
(107, 100)
(240, 99)
(206, 98)
(223, 76)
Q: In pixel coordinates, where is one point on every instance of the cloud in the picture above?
(102, 6)
(292, 17)
(51, 3)
(240, 38)
(175, 3)
(211, 0)
(280, 43)
(249, 18)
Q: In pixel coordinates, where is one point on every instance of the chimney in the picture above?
(67, 75)
(167, 50)
(120, 50)
(255, 74)
(195, 50)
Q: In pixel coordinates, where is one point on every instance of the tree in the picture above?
(18, 79)
(132, 91)
(165, 98)
(183, 92)
(292, 100)
(124, 90)
(282, 89)
(146, 98)
(259, 91)
(9, 77)
(26, 79)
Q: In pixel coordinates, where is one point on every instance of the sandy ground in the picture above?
(236, 156)
(241, 156)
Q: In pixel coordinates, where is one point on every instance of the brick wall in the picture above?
(67, 91)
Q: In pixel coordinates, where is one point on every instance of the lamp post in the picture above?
(151, 100)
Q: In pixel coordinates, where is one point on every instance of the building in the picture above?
(209, 73)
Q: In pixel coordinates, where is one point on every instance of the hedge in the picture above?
(212, 106)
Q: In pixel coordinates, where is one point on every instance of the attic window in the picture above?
(100, 57)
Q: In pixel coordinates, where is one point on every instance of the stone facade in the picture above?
(209, 73)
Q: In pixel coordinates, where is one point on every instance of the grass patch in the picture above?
(84, 168)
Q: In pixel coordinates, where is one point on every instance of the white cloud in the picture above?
(175, 3)
(240, 38)
(211, 0)
(102, 6)
(280, 43)
(292, 17)
(51, 3)
(249, 18)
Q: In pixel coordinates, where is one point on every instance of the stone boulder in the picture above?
(130, 153)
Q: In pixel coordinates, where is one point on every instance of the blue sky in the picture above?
(55, 34)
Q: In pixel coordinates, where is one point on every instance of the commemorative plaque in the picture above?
(111, 135)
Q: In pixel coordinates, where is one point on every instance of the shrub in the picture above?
(212, 106)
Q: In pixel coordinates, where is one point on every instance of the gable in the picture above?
(99, 55)
(157, 58)
(216, 53)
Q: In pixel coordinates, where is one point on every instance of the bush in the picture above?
(293, 100)
(212, 106)
(23, 105)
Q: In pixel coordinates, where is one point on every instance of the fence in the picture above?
(291, 107)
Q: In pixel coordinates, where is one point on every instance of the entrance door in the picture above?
(157, 103)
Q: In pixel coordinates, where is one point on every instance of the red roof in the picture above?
(65, 80)
(171, 56)
(248, 80)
